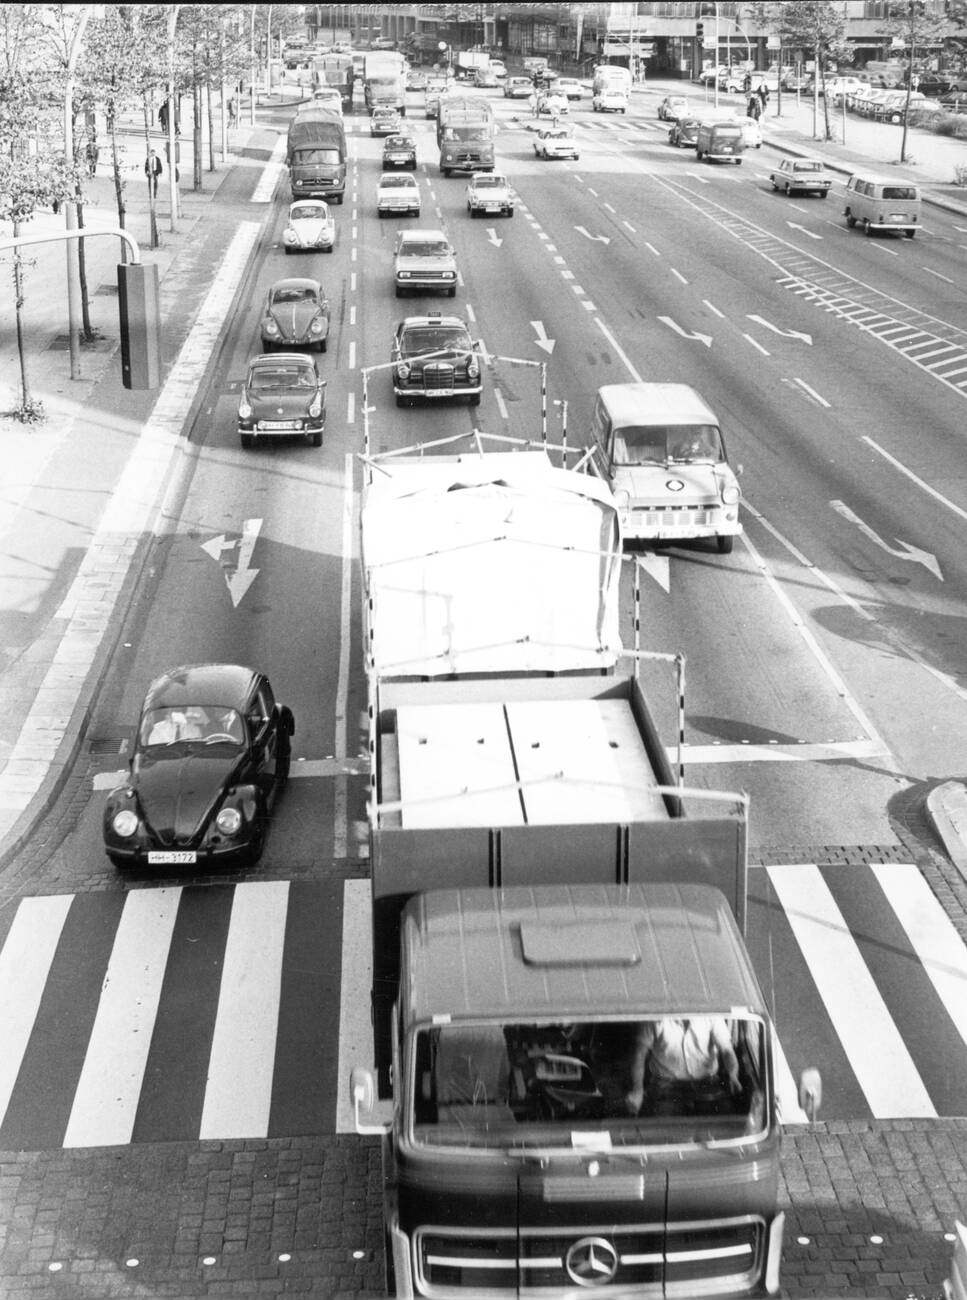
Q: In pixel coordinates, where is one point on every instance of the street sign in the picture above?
(773, 43)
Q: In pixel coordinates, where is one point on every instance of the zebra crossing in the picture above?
(220, 1012)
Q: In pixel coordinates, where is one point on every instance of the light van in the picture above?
(878, 203)
(720, 141)
(660, 449)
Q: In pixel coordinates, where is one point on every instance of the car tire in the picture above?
(510, 212)
(452, 292)
(724, 544)
(788, 190)
(380, 214)
(909, 233)
(401, 400)
(699, 155)
(288, 250)
(474, 399)
(446, 172)
(323, 345)
(119, 864)
(329, 249)
(247, 441)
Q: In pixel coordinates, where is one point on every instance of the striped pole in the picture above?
(365, 412)
(637, 586)
(564, 434)
(544, 403)
(680, 661)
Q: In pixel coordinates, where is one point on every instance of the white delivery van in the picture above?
(660, 448)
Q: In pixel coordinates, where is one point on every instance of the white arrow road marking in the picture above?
(542, 340)
(238, 576)
(656, 566)
(701, 338)
(494, 237)
(604, 239)
(794, 225)
(903, 552)
(786, 334)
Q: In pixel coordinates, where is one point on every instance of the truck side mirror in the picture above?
(362, 1090)
(810, 1092)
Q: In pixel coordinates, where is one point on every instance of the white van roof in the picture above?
(644, 403)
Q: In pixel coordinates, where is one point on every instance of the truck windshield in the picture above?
(595, 1084)
(310, 157)
(467, 133)
(659, 444)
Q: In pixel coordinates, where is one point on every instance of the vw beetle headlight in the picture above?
(125, 824)
(229, 821)
(270, 327)
(244, 411)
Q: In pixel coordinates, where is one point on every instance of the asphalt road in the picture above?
(825, 655)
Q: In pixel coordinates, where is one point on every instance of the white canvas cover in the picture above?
(493, 563)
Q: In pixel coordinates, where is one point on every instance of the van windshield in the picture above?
(656, 444)
(605, 1082)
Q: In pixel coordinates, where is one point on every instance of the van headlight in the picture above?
(125, 824)
(730, 495)
(229, 821)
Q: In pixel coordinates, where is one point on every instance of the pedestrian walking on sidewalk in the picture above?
(763, 94)
(746, 83)
(754, 108)
(232, 112)
(153, 169)
(91, 153)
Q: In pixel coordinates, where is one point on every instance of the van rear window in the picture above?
(899, 192)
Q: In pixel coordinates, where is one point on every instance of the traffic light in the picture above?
(700, 33)
(140, 323)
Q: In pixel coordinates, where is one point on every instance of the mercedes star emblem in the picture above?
(592, 1261)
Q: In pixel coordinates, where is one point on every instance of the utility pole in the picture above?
(172, 120)
(70, 206)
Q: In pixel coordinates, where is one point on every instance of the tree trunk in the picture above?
(211, 122)
(154, 240)
(196, 133)
(116, 171)
(26, 401)
(88, 333)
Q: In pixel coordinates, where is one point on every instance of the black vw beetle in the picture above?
(210, 758)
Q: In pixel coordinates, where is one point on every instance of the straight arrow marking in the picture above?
(238, 575)
(494, 237)
(904, 551)
(542, 340)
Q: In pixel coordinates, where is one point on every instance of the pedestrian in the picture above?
(91, 153)
(763, 94)
(153, 169)
(232, 112)
(746, 83)
(754, 108)
(163, 116)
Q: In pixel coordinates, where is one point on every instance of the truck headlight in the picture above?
(125, 824)
(244, 411)
(730, 495)
(229, 821)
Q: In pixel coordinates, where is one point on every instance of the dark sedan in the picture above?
(296, 314)
(210, 758)
(684, 134)
(399, 151)
(282, 397)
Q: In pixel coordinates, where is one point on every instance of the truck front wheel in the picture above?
(725, 544)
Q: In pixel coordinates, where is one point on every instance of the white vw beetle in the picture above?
(310, 226)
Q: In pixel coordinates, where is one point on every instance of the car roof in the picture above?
(659, 948)
(307, 203)
(644, 403)
(268, 360)
(396, 177)
(418, 236)
(296, 282)
(225, 685)
(432, 319)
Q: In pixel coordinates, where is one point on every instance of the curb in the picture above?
(77, 729)
(947, 811)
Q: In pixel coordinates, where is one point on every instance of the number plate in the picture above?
(439, 392)
(276, 424)
(171, 857)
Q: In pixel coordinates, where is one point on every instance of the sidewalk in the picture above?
(75, 520)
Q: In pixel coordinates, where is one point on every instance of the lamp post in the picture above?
(70, 207)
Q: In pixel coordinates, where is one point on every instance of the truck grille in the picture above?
(687, 1260)
(438, 374)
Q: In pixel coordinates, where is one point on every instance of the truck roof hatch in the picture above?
(607, 943)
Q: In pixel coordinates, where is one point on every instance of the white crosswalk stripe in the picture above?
(238, 940)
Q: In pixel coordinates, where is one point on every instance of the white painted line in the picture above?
(470, 312)
(543, 235)
(608, 207)
(876, 1052)
(25, 960)
(352, 254)
(352, 354)
(106, 1098)
(340, 833)
(351, 409)
(355, 232)
(939, 947)
(356, 981)
(589, 306)
(591, 191)
(560, 261)
(578, 290)
(238, 1095)
(618, 349)
(948, 374)
(265, 189)
(352, 314)
(749, 339)
(922, 357)
(355, 215)
(551, 248)
(678, 275)
(714, 309)
(915, 478)
(501, 404)
(352, 282)
(807, 752)
(460, 279)
(811, 391)
(630, 226)
(567, 275)
(652, 249)
(945, 278)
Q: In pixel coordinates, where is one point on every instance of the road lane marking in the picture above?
(238, 1095)
(811, 391)
(618, 349)
(25, 960)
(340, 815)
(876, 1052)
(355, 1027)
(749, 339)
(106, 1098)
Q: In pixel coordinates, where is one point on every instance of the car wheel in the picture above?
(338, 198)
(120, 864)
(284, 760)
(445, 171)
(329, 249)
(315, 438)
(452, 292)
(401, 400)
(510, 212)
(247, 441)
(380, 213)
(910, 233)
(824, 194)
(474, 399)
(699, 155)
(323, 345)
(788, 190)
(288, 250)
(725, 544)
(399, 292)
(257, 845)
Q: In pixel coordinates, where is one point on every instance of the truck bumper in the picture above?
(643, 530)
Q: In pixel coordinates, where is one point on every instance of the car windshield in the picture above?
(489, 182)
(659, 444)
(394, 182)
(434, 338)
(650, 1082)
(425, 248)
(294, 293)
(206, 725)
(282, 379)
(312, 212)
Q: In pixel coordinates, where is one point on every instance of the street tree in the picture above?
(915, 31)
(815, 27)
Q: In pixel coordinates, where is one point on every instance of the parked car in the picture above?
(397, 194)
(802, 175)
(672, 107)
(435, 357)
(296, 314)
(385, 121)
(211, 756)
(555, 142)
(424, 259)
(399, 151)
(518, 88)
(684, 133)
(310, 226)
(954, 101)
(489, 192)
(282, 397)
(836, 88)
